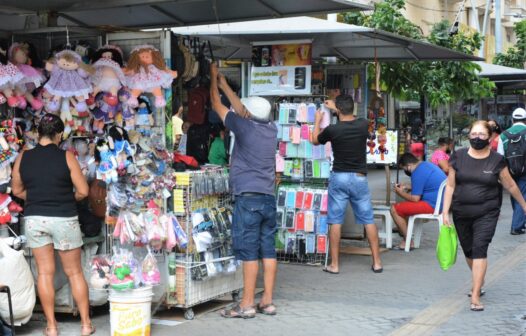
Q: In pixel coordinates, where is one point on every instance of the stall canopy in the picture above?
(349, 42)
(504, 77)
(25, 14)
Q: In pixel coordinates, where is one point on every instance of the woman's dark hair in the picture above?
(497, 130)
(50, 125)
(407, 159)
(345, 104)
(484, 123)
(444, 141)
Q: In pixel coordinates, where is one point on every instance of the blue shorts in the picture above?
(353, 188)
(254, 227)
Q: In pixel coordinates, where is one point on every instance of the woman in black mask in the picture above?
(474, 194)
(496, 130)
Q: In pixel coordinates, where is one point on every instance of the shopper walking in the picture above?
(348, 180)
(518, 220)
(50, 181)
(252, 178)
(474, 195)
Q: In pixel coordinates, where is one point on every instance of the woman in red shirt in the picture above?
(495, 128)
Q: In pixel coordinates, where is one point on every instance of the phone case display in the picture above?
(301, 217)
(206, 268)
(297, 157)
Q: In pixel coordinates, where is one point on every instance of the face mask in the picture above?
(448, 151)
(478, 143)
(408, 172)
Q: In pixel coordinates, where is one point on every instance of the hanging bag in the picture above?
(447, 247)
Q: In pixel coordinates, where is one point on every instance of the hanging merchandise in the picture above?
(99, 270)
(144, 116)
(10, 76)
(33, 78)
(108, 78)
(124, 270)
(150, 273)
(147, 72)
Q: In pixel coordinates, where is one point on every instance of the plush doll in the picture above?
(125, 110)
(18, 55)
(147, 72)
(69, 78)
(109, 78)
(102, 112)
(111, 52)
(120, 146)
(81, 122)
(107, 170)
(10, 76)
(7, 156)
(100, 273)
(143, 116)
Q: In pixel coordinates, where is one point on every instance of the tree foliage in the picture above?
(442, 82)
(515, 57)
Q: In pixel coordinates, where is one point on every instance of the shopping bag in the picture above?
(447, 247)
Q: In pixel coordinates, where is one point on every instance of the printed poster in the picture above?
(280, 80)
(382, 147)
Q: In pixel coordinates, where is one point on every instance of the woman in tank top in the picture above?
(50, 181)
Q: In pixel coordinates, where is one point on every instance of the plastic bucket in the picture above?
(130, 312)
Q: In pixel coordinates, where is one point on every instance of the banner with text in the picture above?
(280, 80)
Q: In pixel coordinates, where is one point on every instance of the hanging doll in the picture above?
(109, 78)
(107, 169)
(120, 146)
(111, 52)
(125, 110)
(147, 72)
(102, 112)
(10, 76)
(69, 78)
(18, 55)
(84, 154)
(143, 116)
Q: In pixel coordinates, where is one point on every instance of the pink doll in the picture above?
(109, 78)
(147, 72)
(18, 55)
(69, 78)
(10, 76)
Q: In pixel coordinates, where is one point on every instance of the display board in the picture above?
(382, 148)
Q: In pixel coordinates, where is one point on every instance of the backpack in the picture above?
(198, 142)
(97, 198)
(178, 57)
(515, 153)
(197, 101)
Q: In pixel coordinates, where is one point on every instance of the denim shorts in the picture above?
(254, 227)
(63, 232)
(353, 188)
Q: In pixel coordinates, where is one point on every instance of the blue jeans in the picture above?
(518, 221)
(345, 188)
(254, 227)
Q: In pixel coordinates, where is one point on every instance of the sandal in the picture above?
(237, 312)
(477, 307)
(268, 309)
(482, 292)
(46, 331)
(92, 328)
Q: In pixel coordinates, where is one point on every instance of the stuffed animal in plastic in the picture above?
(147, 72)
(107, 169)
(10, 76)
(18, 55)
(122, 277)
(69, 78)
(120, 146)
(100, 273)
(109, 78)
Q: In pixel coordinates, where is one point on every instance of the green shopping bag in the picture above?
(447, 247)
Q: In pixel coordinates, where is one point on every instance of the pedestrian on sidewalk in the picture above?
(252, 177)
(518, 220)
(440, 156)
(495, 135)
(348, 180)
(420, 197)
(474, 195)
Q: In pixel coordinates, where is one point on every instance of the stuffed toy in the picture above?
(143, 115)
(109, 78)
(147, 72)
(69, 78)
(7, 156)
(150, 272)
(107, 170)
(100, 273)
(81, 122)
(125, 110)
(111, 52)
(120, 146)
(10, 76)
(122, 277)
(102, 112)
(18, 55)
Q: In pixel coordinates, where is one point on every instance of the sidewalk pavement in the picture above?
(413, 296)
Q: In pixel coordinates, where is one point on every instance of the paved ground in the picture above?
(412, 297)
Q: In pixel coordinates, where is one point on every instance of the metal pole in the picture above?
(474, 17)
(498, 27)
(484, 27)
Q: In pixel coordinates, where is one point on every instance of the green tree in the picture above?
(515, 57)
(441, 82)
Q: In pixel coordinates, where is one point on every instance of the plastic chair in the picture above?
(5, 289)
(418, 227)
(385, 212)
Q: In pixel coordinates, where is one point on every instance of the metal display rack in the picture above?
(192, 284)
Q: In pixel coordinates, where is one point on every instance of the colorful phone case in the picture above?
(300, 221)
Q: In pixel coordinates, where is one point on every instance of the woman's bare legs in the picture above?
(45, 259)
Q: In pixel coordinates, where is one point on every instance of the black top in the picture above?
(477, 189)
(348, 139)
(47, 180)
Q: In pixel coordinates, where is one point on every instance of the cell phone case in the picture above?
(321, 244)
(300, 221)
(309, 221)
(289, 219)
(308, 168)
(316, 204)
(292, 116)
(282, 195)
(310, 242)
(307, 203)
(323, 227)
(299, 199)
(291, 199)
(279, 217)
(324, 202)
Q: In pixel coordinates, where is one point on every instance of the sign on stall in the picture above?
(383, 149)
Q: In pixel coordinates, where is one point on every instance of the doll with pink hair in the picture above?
(18, 55)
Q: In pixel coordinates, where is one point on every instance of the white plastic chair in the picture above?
(418, 226)
(385, 212)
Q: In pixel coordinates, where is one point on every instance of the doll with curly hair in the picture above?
(147, 72)
(19, 56)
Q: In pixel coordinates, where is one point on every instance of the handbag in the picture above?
(97, 198)
(447, 247)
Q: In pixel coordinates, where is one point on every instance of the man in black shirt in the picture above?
(348, 181)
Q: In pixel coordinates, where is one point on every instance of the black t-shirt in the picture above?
(348, 139)
(477, 189)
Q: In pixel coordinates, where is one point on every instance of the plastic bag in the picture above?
(447, 247)
(18, 277)
(150, 271)
(99, 272)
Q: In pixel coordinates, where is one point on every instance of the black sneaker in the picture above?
(517, 232)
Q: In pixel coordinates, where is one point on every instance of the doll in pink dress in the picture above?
(10, 76)
(18, 55)
(147, 72)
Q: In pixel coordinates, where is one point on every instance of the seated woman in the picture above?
(440, 156)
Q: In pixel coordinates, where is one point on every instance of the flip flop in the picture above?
(268, 309)
(92, 328)
(47, 330)
(237, 312)
(377, 270)
(329, 271)
(398, 248)
(476, 307)
(482, 292)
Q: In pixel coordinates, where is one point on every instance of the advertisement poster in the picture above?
(280, 80)
(383, 148)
